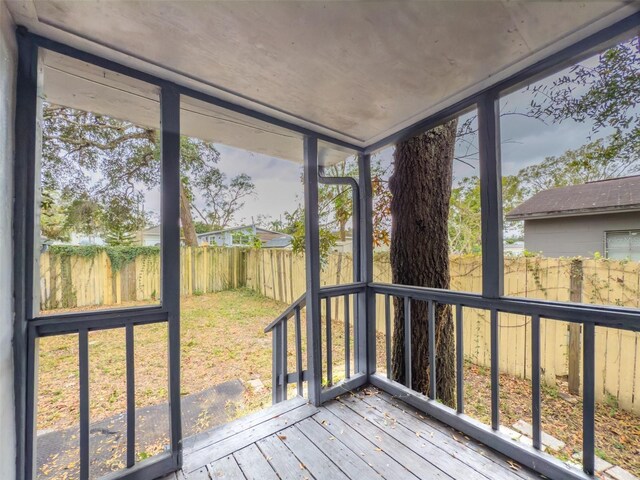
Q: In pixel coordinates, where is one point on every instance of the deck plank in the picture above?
(253, 464)
(200, 474)
(362, 446)
(226, 468)
(171, 476)
(450, 442)
(417, 441)
(408, 458)
(362, 435)
(285, 463)
(351, 464)
(310, 455)
(221, 432)
(473, 452)
(211, 453)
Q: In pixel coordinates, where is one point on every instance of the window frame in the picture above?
(629, 233)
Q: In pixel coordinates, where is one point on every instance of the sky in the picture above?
(278, 182)
(525, 141)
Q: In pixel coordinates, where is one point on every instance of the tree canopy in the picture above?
(604, 92)
(96, 171)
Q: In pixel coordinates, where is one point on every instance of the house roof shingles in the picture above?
(619, 194)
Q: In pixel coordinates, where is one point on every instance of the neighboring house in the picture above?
(79, 239)
(344, 246)
(149, 237)
(244, 235)
(514, 248)
(596, 217)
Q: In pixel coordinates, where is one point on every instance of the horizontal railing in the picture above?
(587, 315)
(612, 317)
(81, 323)
(279, 328)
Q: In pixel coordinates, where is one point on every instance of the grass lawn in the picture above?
(221, 338)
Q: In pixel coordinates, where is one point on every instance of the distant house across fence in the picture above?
(583, 220)
(243, 236)
(149, 237)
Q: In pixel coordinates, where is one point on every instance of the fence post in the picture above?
(575, 342)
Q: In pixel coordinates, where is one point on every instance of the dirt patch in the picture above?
(617, 431)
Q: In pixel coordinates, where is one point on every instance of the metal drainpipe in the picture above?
(355, 201)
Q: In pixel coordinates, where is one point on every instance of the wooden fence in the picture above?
(71, 281)
(279, 274)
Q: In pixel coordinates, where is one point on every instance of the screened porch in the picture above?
(315, 84)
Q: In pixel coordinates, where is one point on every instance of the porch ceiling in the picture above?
(357, 71)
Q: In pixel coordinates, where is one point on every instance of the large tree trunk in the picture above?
(190, 237)
(421, 190)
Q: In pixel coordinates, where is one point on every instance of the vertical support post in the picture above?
(535, 381)
(31, 409)
(490, 195)
(387, 331)
(408, 381)
(431, 320)
(83, 370)
(299, 350)
(312, 262)
(170, 245)
(347, 338)
(459, 360)
(275, 364)
(495, 371)
(131, 397)
(24, 341)
(283, 359)
(366, 320)
(491, 218)
(588, 398)
(328, 340)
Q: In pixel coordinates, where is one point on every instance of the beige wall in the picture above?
(7, 97)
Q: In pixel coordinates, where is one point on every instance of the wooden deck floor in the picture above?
(362, 435)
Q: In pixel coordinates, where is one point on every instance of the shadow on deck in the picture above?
(361, 435)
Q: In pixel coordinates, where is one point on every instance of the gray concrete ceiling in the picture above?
(354, 70)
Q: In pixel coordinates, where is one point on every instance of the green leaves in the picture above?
(606, 94)
(97, 169)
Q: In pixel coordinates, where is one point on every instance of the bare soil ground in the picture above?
(617, 431)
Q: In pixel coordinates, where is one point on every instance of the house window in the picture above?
(623, 245)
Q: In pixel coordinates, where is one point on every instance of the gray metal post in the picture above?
(170, 245)
(312, 262)
(24, 346)
(588, 398)
(491, 217)
(366, 300)
(355, 199)
(490, 195)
